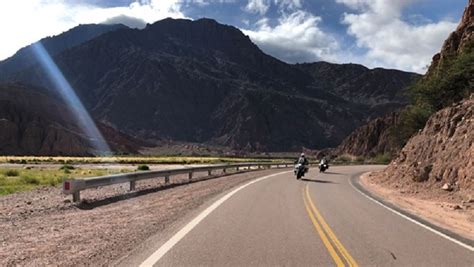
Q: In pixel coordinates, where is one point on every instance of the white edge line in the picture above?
(415, 221)
(157, 255)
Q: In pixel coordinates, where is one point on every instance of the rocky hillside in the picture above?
(457, 42)
(441, 155)
(35, 123)
(371, 139)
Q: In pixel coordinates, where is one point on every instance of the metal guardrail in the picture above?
(75, 186)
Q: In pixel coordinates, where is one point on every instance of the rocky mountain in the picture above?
(35, 123)
(204, 82)
(371, 139)
(457, 42)
(54, 45)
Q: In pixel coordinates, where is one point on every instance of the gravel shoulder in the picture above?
(42, 227)
(444, 212)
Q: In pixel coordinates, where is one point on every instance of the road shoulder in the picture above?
(439, 215)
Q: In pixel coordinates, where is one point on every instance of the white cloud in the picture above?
(24, 22)
(391, 42)
(258, 6)
(262, 6)
(296, 38)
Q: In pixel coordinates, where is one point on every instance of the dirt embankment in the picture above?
(42, 227)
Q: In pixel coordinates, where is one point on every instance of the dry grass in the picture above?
(27, 179)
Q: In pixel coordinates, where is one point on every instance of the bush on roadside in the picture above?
(143, 168)
(384, 158)
(30, 180)
(343, 159)
(12, 173)
(67, 167)
(359, 159)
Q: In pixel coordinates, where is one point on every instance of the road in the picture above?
(318, 221)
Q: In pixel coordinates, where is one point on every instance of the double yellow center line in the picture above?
(322, 228)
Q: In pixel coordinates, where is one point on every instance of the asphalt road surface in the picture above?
(320, 220)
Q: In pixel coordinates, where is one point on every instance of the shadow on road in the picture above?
(318, 181)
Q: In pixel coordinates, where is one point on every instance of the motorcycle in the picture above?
(300, 170)
(323, 167)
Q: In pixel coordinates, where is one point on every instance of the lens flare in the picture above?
(67, 93)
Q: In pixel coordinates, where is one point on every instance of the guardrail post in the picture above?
(190, 176)
(209, 172)
(224, 170)
(167, 179)
(132, 185)
(76, 196)
(237, 168)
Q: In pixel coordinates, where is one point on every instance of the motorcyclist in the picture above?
(324, 160)
(323, 164)
(304, 161)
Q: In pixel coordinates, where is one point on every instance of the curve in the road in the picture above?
(265, 222)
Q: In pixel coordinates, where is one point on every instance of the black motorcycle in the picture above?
(323, 167)
(299, 170)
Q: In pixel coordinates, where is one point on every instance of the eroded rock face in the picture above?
(371, 139)
(35, 123)
(442, 153)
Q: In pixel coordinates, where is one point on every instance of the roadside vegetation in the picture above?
(130, 160)
(352, 160)
(143, 168)
(450, 83)
(15, 180)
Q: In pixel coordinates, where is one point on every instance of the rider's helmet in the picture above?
(302, 155)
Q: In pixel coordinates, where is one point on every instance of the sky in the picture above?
(396, 34)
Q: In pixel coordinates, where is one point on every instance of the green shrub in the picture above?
(450, 83)
(11, 173)
(342, 159)
(143, 168)
(67, 167)
(382, 158)
(54, 181)
(359, 159)
(30, 180)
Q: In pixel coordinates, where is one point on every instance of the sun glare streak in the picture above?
(67, 93)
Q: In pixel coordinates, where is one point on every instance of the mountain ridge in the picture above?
(201, 81)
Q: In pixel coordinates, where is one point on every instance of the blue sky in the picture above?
(401, 34)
